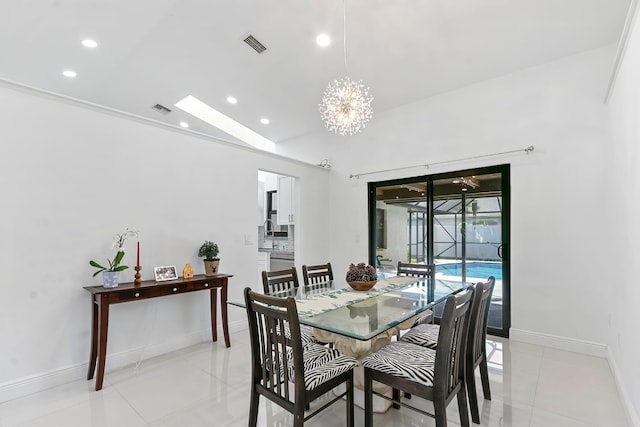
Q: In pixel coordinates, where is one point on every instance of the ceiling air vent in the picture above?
(161, 108)
(255, 44)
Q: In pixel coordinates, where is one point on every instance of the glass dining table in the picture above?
(360, 322)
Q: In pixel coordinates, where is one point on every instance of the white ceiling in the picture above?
(159, 51)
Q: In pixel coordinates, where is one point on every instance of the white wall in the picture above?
(557, 294)
(622, 206)
(397, 236)
(574, 199)
(71, 178)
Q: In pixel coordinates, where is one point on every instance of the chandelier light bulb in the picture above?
(346, 106)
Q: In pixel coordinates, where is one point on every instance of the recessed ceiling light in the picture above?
(323, 40)
(184, 125)
(89, 43)
(264, 121)
(231, 100)
(69, 73)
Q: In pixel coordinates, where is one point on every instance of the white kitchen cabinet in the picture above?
(286, 200)
(261, 204)
(263, 265)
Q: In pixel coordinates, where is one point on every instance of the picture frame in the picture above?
(164, 273)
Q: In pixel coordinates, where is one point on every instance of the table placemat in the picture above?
(326, 301)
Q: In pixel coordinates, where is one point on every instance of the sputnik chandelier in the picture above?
(346, 104)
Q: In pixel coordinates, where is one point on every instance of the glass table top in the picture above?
(336, 308)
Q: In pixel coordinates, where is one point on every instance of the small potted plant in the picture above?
(209, 251)
(111, 274)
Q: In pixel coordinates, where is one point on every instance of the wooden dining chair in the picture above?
(316, 274)
(281, 280)
(419, 271)
(427, 336)
(284, 370)
(435, 375)
(415, 270)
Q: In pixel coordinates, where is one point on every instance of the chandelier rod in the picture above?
(526, 150)
(344, 36)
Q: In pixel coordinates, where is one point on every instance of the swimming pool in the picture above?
(475, 269)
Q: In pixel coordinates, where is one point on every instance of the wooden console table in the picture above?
(102, 298)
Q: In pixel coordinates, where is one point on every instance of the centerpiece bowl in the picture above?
(362, 286)
(361, 277)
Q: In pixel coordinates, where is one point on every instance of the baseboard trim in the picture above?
(583, 347)
(632, 416)
(39, 382)
(560, 343)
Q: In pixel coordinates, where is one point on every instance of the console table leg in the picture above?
(103, 326)
(225, 321)
(214, 313)
(94, 338)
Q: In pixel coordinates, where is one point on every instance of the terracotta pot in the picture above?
(211, 267)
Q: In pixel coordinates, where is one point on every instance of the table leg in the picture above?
(214, 313)
(103, 326)
(360, 350)
(94, 338)
(225, 320)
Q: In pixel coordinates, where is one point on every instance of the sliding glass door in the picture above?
(458, 221)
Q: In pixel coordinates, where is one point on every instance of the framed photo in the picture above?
(165, 273)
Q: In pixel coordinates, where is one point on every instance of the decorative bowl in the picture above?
(362, 286)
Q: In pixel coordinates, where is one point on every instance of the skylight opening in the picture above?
(204, 112)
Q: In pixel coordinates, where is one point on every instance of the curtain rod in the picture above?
(526, 150)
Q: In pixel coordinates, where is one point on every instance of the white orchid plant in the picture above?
(118, 245)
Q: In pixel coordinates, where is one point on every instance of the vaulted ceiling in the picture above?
(159, 51)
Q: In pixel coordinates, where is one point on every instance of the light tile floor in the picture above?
(207, 385)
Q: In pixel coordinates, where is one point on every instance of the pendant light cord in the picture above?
(344, 35)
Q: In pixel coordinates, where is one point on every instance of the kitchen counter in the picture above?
(276, 252)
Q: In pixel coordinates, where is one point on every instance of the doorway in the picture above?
(458, 221)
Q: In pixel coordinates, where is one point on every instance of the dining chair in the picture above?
(315, 274)
(435, 375)
(421, 271)
(415, 270)
(286, 371)
(427, 336)
(280, 280)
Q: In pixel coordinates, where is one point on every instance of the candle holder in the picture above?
(137, 268)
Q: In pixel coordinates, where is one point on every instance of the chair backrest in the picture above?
(452, 340)
(478, 322)
(415, 270)
(314, 274)
(273, 281)
(275, 356)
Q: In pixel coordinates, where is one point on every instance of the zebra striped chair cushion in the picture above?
(306, 334)
(425, 335)
(424, 317)
(321, 364)
(404, 360)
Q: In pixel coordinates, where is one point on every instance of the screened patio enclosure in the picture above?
(457, 221)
